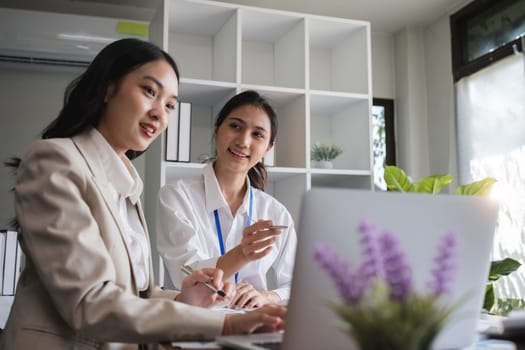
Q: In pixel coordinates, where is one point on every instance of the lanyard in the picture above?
(219, 231)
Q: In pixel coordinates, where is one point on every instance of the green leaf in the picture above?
(490, 297)
(503, 267)
(502, 307)
(433, 184)
(477, 188)
(397, 180)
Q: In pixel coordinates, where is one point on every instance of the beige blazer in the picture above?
(77, 290)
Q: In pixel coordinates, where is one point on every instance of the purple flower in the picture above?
(348, 285)
(444, 265)
(397, 273)
(369, 269)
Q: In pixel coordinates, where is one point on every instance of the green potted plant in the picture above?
(322, 154)
(397, 180)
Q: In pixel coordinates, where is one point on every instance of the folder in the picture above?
(184, 131)
(10, 262)
(172, 136)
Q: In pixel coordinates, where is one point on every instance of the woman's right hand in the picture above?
(267, 318)
(258, 239)
(256, 242)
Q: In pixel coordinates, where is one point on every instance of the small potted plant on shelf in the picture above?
(322, 154)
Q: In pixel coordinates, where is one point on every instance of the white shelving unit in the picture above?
(316, 72)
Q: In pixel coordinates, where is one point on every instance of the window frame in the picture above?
(458, 25)
(388, 106)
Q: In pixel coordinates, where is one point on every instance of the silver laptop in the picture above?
(331, 216)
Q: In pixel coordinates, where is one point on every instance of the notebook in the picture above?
(331, 216)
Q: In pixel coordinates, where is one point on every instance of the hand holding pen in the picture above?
(258, 239)
(188, 271)
(204, 287)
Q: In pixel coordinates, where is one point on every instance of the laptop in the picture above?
(331, 217)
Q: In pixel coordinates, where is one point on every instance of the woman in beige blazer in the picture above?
(88, 281)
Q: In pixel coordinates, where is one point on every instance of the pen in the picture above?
(188, 270)
(280, 227)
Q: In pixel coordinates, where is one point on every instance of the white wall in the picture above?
(30, 99)
(411, 102)
(414, 67)
(383, 65)
(440, 97)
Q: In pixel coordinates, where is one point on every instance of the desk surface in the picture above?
(191, 346)
(188, 346)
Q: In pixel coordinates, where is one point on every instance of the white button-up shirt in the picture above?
(126, 188)
(187, 233)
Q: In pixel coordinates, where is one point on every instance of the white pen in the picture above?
(279, 227)
(188, 271)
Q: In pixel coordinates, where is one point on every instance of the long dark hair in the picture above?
(258, 173)
(84, 96)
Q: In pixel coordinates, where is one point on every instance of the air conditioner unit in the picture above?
(57, 39)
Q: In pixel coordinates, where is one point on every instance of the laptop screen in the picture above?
(331, 217)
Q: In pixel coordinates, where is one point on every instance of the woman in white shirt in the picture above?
(224, 218)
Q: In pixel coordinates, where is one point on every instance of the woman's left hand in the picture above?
(268, 318)
(246, 296)
(194, 292)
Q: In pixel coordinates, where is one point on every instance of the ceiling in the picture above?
(385, 15)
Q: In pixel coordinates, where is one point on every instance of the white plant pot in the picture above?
(323, 164)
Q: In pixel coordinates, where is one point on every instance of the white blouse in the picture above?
(187, 232)
(126, 188)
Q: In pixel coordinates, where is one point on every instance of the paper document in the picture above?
(195, 345)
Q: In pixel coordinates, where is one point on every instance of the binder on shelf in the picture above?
(12, 253)
(184, 131)
(172, 136)
(3, 235)
(19, 264)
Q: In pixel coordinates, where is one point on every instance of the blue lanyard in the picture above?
(219, 231)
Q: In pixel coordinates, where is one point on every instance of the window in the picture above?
(490, 124)
(484, 32)
(384, 148)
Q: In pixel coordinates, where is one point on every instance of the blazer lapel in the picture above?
(89, 152)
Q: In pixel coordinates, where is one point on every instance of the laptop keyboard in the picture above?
(269, 346)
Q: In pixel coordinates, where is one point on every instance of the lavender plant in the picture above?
(380, 308)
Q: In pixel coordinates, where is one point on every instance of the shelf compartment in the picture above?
(203, 39)
(287, 188)
(206, 101)
(341, 180)
(343, 120)
(273, 48)
(290, 106)
(338, 55)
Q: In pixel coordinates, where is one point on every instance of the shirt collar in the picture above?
(213, 193)
(120, 171)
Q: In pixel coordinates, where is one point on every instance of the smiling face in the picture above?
(242, 139)
(137, 108)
